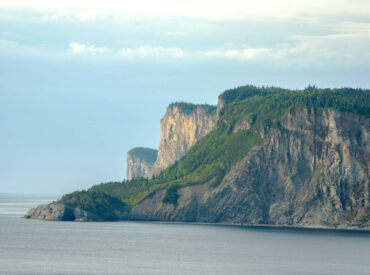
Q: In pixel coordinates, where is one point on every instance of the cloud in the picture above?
(78, 48)
(338, 49)
(246, 10)
(151, 51)
(343, 49)
(243, 54)
(9, 48)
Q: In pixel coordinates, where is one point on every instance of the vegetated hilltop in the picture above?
(275, 156)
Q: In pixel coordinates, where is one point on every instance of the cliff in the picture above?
(181, 127)
(140, 161)
(278, 157)
(311, 172)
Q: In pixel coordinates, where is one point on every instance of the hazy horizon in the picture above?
(81, 84)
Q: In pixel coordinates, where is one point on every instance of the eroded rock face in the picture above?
(140, 161)
(313, 171)
(181, 127)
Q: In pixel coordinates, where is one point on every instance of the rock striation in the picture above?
(140, 161)
(312, 172)
(181, 127)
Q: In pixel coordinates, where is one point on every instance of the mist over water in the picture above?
(40, 247)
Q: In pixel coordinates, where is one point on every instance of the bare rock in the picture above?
(140, 161)
(181, 127)
(311, 171)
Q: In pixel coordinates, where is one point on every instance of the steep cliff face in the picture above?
(181, 127)
(140, 161)
(311, 171)
(220, 104)
(279, 157)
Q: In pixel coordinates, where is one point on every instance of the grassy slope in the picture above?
(213, 156)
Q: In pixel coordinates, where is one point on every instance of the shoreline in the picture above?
(258, 226)
(251, 226)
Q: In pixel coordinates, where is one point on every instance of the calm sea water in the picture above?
(40, 247)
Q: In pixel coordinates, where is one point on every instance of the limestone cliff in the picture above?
(140, 161)
(277, 157)
(313, 171)
(181, 127)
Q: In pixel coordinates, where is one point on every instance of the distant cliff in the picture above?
(140, 161)
(181, 127)
(274, 156)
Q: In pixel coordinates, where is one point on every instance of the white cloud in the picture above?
(78, 48)
(147, 51)
(344, 49)
(242, 54)
(11, 48)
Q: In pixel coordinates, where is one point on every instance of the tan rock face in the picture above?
(220, 104)
(180, 130)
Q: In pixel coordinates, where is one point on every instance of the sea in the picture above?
(127, 247)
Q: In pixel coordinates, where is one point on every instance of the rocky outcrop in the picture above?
(59, 212)
(221, 102)
(140, 161)
(311, 171)
(181, 127)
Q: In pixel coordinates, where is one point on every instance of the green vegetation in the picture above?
(99, 203)
(189, 108)
(130, 192)
(148, 154)
(171, 195)
(210, 159)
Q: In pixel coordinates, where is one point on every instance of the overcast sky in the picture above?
(82, 82)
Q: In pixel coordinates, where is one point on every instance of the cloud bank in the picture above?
(278, 33)
(204, 9)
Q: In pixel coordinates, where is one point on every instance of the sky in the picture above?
(83, 82)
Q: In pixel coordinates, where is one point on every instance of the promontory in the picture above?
(263, 156)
